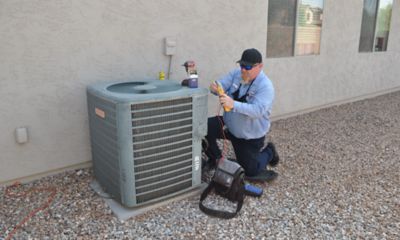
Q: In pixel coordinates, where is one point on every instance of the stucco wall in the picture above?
(51, 50)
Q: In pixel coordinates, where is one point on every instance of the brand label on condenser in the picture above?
(100, 112)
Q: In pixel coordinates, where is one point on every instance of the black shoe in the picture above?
(263, 176)
(275, 157)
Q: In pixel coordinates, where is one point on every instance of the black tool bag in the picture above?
(228, 182)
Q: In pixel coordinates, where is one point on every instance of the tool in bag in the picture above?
(228, 182)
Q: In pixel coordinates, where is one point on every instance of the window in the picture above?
(294, 27)
(375, 25)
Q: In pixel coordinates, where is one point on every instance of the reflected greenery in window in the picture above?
(375, 25)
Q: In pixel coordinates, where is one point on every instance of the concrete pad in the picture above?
(124, 213)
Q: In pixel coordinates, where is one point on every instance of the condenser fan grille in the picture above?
(163, 191)
(160, 127)
(162, 147)
(166, 103)
(161, 119)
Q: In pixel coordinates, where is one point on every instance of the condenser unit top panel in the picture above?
(142, 90)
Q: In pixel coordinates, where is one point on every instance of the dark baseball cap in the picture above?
(250, 57)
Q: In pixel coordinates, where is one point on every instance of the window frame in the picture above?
(296, 27)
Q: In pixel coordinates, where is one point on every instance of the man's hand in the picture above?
(213, 87)
(226, 101)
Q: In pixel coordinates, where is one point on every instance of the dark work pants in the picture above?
(247, 152)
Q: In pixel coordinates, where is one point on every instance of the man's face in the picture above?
(248, 75)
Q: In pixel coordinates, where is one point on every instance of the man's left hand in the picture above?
(226, 101)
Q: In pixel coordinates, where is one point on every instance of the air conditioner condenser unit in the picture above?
(146, 138)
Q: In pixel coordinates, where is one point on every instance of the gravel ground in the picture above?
(339, 179)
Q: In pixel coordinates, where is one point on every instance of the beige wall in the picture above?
(51, 50)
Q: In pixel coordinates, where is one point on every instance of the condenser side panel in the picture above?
(104, 144)
(199, 132)
(127, 172)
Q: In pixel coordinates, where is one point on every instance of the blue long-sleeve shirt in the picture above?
(249, 120)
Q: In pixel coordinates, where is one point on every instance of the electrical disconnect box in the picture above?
(170, 46)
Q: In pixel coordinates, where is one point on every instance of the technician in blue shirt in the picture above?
(250, 94)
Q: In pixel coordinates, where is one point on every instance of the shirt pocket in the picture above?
(232, 89)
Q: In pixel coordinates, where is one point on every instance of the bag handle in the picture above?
(218, 213)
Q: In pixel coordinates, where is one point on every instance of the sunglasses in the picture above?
(247, 67)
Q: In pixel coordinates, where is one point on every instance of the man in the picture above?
(249, 94)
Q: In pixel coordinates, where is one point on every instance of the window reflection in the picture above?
(368, 26)
(294, 27)
(309, 27)
(375, 25)
(281, 27)
(383, 25)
